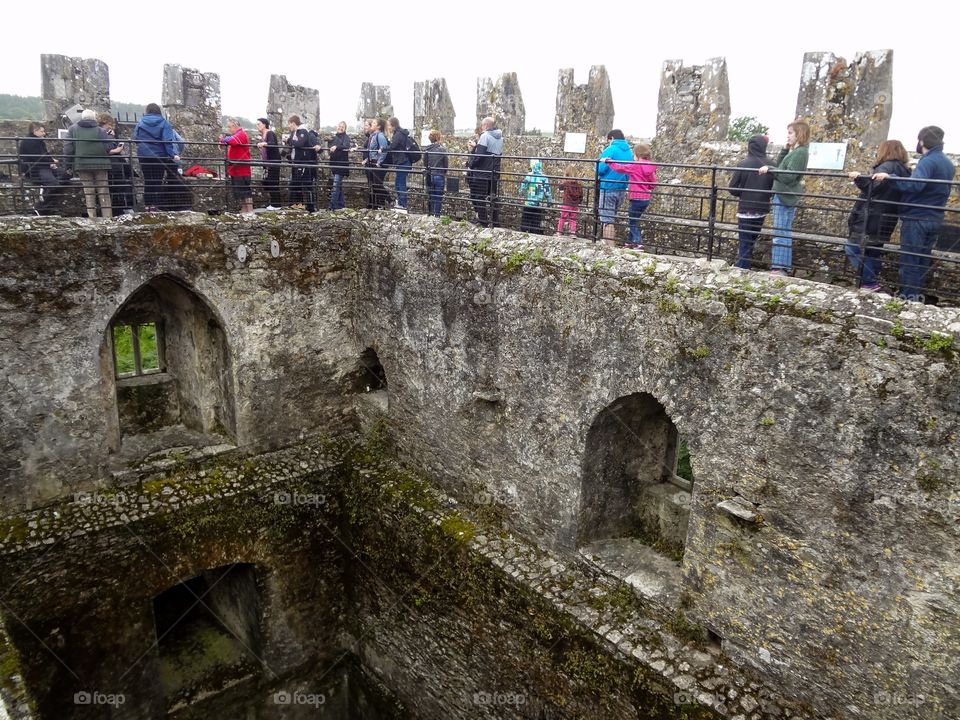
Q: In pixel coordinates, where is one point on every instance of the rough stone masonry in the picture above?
(822, 543)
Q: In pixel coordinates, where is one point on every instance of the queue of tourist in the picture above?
(888, 193)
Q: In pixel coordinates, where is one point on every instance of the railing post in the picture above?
(862, 234)
(596, 199)
(712, 215)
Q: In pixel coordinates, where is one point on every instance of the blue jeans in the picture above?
(748, 230)
(336, 193)
(636, 210)
(436, 185)
(400, 183)
(865, 261)
(782, 258)
(917, 236)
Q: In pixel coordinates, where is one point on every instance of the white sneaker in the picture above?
(397, 208)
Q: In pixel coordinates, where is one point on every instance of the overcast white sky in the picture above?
(764, 47)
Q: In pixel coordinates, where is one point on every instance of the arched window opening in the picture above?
(170, 373)
(369, 375)
(635, 497)
(208, 633)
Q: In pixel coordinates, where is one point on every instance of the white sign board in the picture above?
(827, 156)
(575, 142)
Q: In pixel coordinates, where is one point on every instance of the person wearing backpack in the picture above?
(303, 157)
(535, 189)
(437, 163)
(397, 155)
(373, 161)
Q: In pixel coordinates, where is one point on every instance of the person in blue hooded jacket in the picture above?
(157, 151)
(923, 198)
(613, 184)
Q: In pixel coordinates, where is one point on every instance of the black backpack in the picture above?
(311, 155)
(414, 153)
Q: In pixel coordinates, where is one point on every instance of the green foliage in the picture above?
(123, 348)
(684, 469)
(894, 305)
(745, 127)
(937, 342)
(767, 421)
(898, 331)
(17, 107)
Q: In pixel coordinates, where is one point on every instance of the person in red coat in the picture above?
(238, 164)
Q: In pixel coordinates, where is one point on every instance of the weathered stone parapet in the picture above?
(71, 84)
(847, 101)
(584, 108)
(374, 102)
(432, 107)
(504, 101)
(284, 100)
(693, 107)
(191, 102)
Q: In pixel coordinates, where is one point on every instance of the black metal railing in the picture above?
(692, 212)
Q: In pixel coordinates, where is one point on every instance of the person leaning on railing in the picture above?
(157, 152)
(753, 191)
(787, 189)
(921, 211)
(86, 152)
(435, 166)
(874, 216)
(41, 169)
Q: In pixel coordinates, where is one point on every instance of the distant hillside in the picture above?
(17, 107)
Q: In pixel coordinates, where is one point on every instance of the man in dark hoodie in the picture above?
(485, 164)
(157, 151)
(396, 155)
(754, 191)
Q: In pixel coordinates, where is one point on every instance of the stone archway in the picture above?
(168, 370)
(634, 508)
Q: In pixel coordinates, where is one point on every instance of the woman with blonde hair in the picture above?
(875, 214)
(787, 189)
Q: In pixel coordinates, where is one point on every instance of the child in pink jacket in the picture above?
(643, 178)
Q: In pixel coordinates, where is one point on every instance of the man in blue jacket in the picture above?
(921, 215)
(613, 185)
(158, 153)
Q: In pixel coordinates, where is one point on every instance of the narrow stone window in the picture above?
(208, 633)
(137, 349)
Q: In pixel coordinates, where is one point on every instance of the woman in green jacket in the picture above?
(787, 188)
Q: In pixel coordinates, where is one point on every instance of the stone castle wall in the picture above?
(828, 412)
